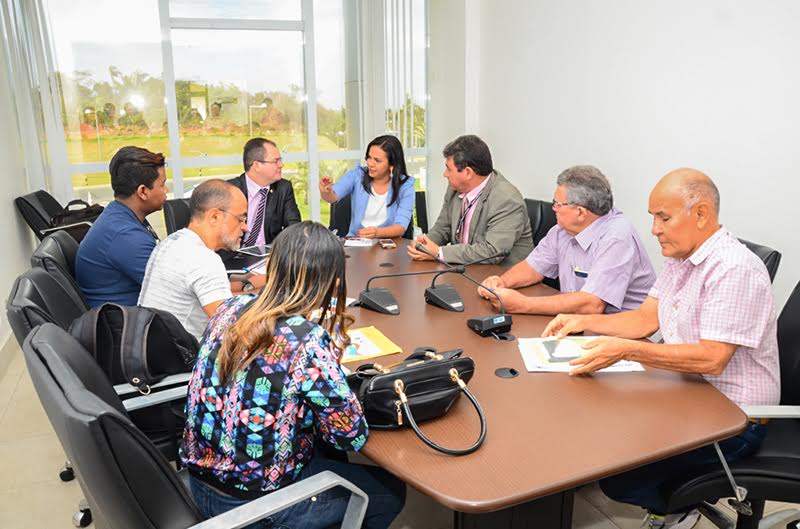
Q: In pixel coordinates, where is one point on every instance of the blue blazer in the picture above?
(398, 213)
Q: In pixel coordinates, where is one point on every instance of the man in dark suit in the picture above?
(271, 206)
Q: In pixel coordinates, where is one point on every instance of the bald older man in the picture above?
(185, 276)
(714, 306)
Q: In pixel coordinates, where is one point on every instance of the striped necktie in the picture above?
(255, 228)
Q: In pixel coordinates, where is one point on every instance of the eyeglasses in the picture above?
(240, 218)
(276, 161)
(558, 205)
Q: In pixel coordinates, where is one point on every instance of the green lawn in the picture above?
(101, 150)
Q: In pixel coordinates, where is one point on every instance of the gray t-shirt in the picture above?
(182, 276)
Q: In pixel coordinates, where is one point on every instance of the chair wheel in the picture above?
(66, 474)
(82, 518)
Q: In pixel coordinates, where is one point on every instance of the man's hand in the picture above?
(491, 282)
(427, 243)
(564, 325)
(513, 301)
(370, 232)
(325, 184)
(601, 353)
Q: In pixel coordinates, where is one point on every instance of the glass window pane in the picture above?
(95, 188)
(418, 168)
(253, 9)
(109, 76)
(419, 95)
(338, 76)
(335, 169)
(233, 85)
(296, 172)
(405, 46)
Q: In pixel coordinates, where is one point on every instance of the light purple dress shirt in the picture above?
(607, 259)
(252, 209)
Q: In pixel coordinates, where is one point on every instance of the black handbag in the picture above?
(423, 386)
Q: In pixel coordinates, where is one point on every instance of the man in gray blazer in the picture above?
(483, 213)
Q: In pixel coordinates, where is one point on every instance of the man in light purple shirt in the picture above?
(594, 251)
(714, 307)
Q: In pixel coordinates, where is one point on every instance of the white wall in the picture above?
(16, 237)
(641, 87)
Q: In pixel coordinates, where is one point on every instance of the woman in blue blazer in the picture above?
(381, 194)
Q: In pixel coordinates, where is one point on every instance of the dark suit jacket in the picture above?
(281, 208)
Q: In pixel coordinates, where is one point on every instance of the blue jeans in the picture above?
(387, 495)
(642, 486)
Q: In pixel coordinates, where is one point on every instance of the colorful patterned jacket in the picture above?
(256, 433)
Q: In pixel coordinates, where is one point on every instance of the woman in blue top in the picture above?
(382, 194)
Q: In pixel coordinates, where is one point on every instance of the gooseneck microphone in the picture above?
(493, 325)
(380, 299)
(445, 295)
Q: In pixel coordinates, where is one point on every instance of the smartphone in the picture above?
(387, 244)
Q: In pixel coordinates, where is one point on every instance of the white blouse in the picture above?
(376, 212)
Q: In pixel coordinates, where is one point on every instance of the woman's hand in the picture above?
(370, 232)
(326, 184)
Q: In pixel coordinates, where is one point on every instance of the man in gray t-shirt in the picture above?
(184, 275)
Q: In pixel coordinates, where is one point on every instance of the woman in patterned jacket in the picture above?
(267, 379)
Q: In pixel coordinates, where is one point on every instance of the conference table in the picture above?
(547, 433)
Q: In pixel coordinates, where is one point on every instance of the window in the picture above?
(289, 70)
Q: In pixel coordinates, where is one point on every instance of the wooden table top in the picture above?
(546, 432)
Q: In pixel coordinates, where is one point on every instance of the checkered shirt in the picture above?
(722, 293)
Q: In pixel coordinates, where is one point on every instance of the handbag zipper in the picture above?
(399, 413)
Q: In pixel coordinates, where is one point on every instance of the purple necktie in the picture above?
(256, 226)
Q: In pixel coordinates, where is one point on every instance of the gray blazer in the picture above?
(499, 222)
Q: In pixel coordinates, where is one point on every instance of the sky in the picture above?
(91, 35)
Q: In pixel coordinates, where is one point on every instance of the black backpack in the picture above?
(137, 345)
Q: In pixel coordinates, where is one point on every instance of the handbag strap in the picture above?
(400, 390)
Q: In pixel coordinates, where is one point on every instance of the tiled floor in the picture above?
(32, 496)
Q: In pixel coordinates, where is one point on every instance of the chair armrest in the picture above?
(181, 378)
(159, 397)
(772, 412)
(286, 497)
(67, 226)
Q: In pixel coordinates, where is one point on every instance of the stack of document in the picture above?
(554, 355)
(356, 242)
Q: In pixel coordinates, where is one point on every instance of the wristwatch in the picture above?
(247, 286)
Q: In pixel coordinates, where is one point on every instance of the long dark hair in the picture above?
(397, 160)
(305, 271)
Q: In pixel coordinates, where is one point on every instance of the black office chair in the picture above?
(176, 214)
(340, 216)
(421, 208)
(56, 254)
(39, 207)
(124, 477)
(773, 472)
(542, 218)
(38, 297)
(771, 257)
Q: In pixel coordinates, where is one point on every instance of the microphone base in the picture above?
(379, 300)
(491, 325)
(445, 297)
